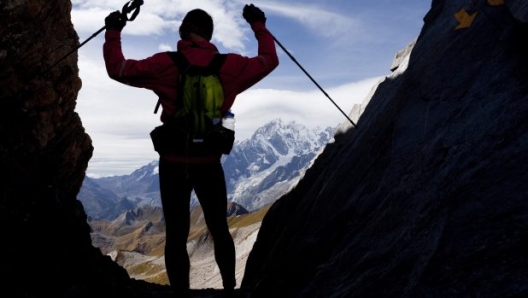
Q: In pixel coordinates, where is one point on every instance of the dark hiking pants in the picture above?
(177, 180)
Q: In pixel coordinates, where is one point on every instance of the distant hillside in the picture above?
(136, 241)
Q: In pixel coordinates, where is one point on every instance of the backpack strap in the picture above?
(217, 62)
(182, 63)
(213, 67)
(179, 59)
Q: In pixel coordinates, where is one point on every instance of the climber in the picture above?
(180, 174)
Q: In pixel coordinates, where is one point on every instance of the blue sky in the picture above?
(345, 45)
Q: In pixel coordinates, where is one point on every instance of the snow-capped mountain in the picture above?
(258, 171)
(142, 186)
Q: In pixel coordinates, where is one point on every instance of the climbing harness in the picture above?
(310, 77)
(132, 6)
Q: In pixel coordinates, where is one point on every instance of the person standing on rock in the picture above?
(180, 175)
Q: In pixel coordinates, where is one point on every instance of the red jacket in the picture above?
(159, 73)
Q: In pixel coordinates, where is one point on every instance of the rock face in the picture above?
(44, 153)
(428, 197)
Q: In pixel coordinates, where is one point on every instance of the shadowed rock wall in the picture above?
(44, 153)
(428, 197)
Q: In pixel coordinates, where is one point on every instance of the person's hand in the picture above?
(115, 21)
(253, 14)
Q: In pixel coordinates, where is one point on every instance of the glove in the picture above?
(253, 14)
(115, 21)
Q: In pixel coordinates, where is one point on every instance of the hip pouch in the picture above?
(176, 137)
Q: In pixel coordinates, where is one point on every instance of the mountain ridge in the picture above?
(257, 171)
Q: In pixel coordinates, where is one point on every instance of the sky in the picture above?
(346, 46)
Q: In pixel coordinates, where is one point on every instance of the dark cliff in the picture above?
(44, 152)
(428, 197)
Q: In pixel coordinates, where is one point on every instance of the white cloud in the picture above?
(165, 47)
(157, 18)
(316, 18)
(231, 31)
(255, 108)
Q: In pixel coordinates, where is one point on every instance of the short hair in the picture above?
(199, 22)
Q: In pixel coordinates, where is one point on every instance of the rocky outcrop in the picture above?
(428, 196)
(44, 153)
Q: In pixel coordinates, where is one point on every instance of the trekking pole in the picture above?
(309, 76)
(131, 6)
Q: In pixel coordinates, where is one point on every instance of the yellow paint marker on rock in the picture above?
(496, 2)
(465, 19)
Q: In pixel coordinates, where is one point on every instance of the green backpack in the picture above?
(195, 129)
(200, 93)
